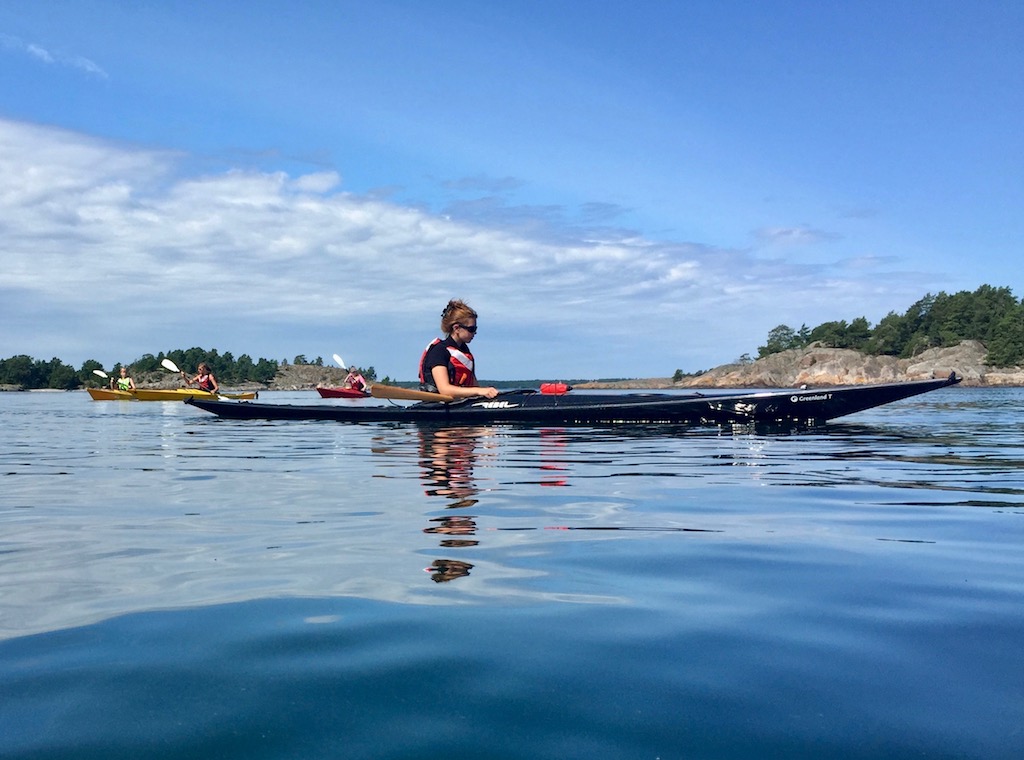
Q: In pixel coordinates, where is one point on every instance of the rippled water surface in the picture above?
(175, 585)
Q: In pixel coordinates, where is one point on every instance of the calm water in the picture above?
(174, 585)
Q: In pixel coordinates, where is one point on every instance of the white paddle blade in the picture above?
(168, 364)
(100, 372)
(341, 362)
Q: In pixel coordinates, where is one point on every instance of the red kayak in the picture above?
(341, 393)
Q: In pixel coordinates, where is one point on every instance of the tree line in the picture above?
(25, 372)
(989, 314)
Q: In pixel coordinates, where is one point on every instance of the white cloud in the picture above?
(799, 235)
(132, 258)
(37, 52)
(15, 45)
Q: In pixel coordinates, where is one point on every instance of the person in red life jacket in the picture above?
(204, 379)
(447, 365)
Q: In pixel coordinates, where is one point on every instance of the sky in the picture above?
(619, 189)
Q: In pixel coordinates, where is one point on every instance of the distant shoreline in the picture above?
(814, 366)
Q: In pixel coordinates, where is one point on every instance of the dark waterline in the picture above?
(174, 585)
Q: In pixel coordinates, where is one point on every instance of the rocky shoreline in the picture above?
(817, 365)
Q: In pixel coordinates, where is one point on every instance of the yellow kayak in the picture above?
(180, 394)
(160, 394)
(105, 394)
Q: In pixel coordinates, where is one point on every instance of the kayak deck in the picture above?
(341, 393)
(801, 406)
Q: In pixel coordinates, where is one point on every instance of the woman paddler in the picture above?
(204, 379)
(447, 365)
(354, 379)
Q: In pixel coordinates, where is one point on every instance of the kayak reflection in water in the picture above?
(447, 365)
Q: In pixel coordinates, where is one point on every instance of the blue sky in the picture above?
(620, 189)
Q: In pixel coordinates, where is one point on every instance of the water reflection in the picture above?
(553, 453)
(448, 459)
(444, 570)
(456, 525)
(460, 466)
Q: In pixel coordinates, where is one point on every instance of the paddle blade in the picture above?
(407, 394)
(168, 364)
(100, 372)
(341, 362)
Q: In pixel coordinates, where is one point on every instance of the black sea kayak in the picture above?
(801, 406)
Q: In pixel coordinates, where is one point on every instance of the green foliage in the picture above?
(62, 376)
(783, 338)
(1007, 346)
(839, 334)
(227, 370)
(25, 372)
(989, 314)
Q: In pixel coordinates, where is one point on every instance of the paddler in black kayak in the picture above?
(204, 379)
(447, 365)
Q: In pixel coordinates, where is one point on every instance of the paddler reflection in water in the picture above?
(204, 379)
(447, 456)
(444, 570)
(447, 365)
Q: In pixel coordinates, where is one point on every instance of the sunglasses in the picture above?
(468, 328)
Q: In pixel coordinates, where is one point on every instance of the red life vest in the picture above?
(460, 366)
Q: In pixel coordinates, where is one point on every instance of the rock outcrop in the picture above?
(818, 365)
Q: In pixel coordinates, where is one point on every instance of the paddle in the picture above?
(169, 365)
(406, 394)
(400, 394)
(101, 373)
